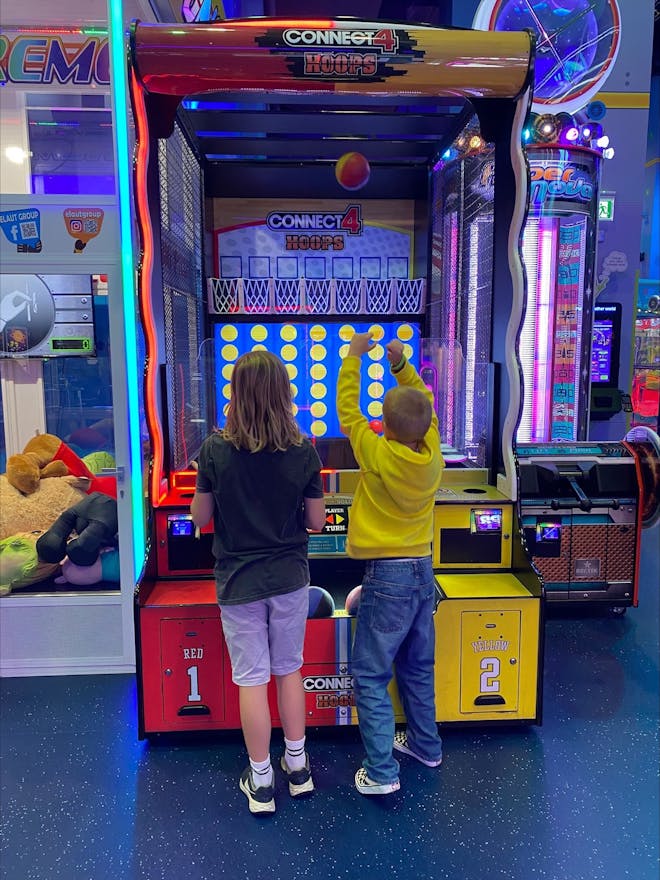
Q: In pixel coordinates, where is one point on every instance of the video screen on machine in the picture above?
(312, 353)
(605, 344)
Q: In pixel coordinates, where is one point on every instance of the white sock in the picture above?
(295, 753)
(262, 772)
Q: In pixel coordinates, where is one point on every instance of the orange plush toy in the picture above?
(47, 456)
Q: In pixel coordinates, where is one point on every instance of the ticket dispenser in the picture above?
(489, 619)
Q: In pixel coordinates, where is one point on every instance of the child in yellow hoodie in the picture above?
(391, 527)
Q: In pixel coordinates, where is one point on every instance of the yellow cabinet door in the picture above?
(490, 661)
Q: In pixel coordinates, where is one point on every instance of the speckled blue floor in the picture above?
(574, 799)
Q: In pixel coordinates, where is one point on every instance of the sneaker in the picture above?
(401, 745)
(261, 799)
(300, 781)
(367, 786)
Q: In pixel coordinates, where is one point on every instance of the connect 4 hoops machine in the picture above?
(489, 622)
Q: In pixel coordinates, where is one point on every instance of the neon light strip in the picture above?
(544, 330)
(530, 249)
(120, 102)
(471, 335)
(145, 290)
(452, 365)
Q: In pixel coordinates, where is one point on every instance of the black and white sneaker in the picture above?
(367, 786)
(261, 799)
(401, 745)
(300, 781)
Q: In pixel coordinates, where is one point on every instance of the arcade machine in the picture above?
(559, 244)
(300, 282)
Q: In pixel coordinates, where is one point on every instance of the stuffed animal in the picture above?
(94, 519)
(47, 456)
(38, 511)
(19, 564)
(104, 568)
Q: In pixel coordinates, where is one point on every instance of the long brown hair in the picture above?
(260, 413)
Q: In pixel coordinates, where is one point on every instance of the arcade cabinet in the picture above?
(275, 257)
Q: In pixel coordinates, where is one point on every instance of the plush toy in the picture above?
(104, 568)
(19, 564)
(47, 456)
(94, 519)
(38, 511)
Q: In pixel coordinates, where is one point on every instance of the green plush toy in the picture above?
(19, 564)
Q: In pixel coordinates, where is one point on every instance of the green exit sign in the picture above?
(606, 208)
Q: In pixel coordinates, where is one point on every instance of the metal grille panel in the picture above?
(183, 296)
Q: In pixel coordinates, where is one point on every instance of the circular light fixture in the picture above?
(17, 155)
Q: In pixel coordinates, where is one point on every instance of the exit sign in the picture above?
(606, 208)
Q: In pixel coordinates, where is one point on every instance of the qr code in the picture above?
(28, 229)
(90, 226)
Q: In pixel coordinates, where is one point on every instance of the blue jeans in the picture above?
(395, 626)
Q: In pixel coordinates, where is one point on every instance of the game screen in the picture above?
(604, 345)
(601, 352)
(312, 353)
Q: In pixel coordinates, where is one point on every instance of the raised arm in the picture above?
(406, 374)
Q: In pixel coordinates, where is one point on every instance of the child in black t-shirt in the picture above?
(260, 480)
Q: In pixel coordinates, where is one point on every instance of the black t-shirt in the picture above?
(260, 540)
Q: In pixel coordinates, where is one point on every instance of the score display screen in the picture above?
(486, 520)
(548, 531)
(312, 353)
(180, 526)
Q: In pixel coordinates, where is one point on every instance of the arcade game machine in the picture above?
(559, 251)
(581, 503)
(299, 278)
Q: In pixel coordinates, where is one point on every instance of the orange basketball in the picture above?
(352, 171)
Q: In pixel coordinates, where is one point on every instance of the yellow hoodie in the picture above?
(392, 511)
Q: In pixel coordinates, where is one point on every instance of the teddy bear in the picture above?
(38, 511)
(47, 456)
(93, 519)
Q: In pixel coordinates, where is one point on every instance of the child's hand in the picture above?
(360, 344)
(394, 351)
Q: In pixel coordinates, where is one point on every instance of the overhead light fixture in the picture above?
(17, 155)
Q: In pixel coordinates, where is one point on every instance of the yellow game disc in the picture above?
(375, 389)
(317, 333)
(288, 332)
(292, 370)
(288, 352)
(227, 370)
(318, 390)
(228, 333)
(346, 332)
(318, 409)
(405, 332)
(318, 371)
(318, 428)
(229, 352)
(259, 333)
(375, 409)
